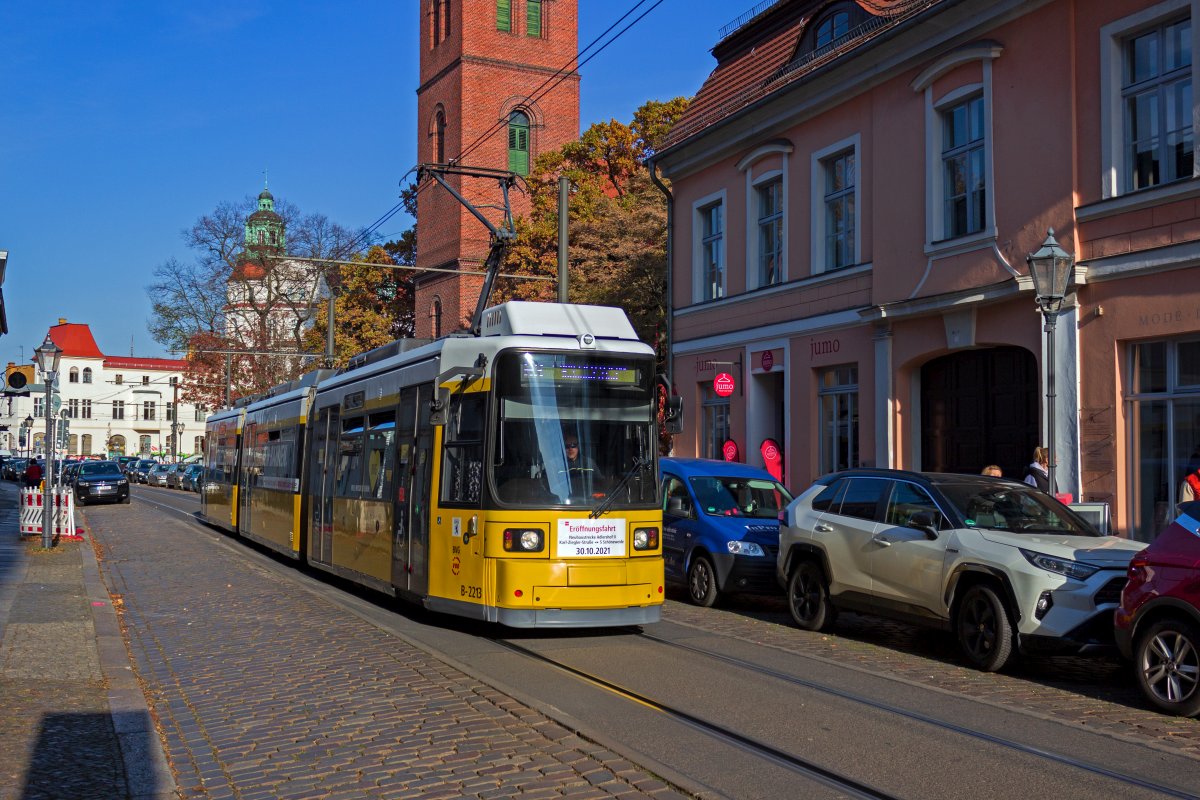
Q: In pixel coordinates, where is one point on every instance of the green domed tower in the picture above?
(264, 228)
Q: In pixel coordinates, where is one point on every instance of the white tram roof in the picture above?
(518, 317)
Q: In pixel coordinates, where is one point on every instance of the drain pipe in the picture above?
(652, 165)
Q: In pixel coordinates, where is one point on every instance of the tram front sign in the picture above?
(589, 538)
(723, 384)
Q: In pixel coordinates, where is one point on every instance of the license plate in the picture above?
(103, 488)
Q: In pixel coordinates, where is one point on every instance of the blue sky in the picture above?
(123, 122)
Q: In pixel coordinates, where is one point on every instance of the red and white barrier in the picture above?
(63, 516)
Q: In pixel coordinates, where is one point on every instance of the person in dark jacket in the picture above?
(1038, 472)
(33, 473)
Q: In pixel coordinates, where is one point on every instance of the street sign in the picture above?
(723, 384)
(56, 402)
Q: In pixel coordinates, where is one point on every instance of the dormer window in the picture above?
(833, 26)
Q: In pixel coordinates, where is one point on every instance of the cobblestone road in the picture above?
(1097, 693)
(264, 690)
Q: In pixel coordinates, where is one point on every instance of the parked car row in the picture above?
(172, 476)
(1002, 566)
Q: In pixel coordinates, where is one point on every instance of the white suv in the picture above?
(998, 563)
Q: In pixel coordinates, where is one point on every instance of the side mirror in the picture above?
(924, 521)
(674, 415)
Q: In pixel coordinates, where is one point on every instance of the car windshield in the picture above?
(103, 468)
(1010, 507)
(740, 497)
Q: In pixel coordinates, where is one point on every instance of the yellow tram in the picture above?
(440, 472)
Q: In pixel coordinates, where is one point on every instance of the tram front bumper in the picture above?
(621, 592)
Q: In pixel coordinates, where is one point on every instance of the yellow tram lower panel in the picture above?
(573, 584)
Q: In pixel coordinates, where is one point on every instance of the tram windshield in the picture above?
(572, 427)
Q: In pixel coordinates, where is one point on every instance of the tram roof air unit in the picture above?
(519, 317)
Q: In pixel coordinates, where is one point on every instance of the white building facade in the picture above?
(114, 405)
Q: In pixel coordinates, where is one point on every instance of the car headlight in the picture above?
(740, 548)
(1062, 566)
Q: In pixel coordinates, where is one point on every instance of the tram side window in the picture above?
(462, 465)
(380, 455)
(279, 458)
(349, 466)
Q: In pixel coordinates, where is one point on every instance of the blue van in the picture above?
(720, 527)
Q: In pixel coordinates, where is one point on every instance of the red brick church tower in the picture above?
(490, 96)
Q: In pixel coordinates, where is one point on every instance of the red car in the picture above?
(1158, 623)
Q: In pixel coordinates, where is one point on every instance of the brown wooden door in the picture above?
(979, 407)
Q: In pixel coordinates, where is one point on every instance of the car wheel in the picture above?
(984, 631)
(808, 597)
(125, 500)
(702, 582)
(1168, 666)
(79, 501)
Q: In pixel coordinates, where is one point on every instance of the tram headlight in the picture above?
(645, 538)
(524, 540)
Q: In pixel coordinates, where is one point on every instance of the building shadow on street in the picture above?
(79, 755)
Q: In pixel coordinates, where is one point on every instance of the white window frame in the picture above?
(935, 218)
(699, 271)
(817, 169)
(1114, 170)
(754, 276)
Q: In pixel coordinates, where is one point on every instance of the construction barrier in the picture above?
(64, 512)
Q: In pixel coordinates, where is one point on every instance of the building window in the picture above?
(198, 445)
(435, 317)
(170, 411)
(72, 444)
(964, 173)
(200, 416)
(87, 444)
(39, 407)
(119, 379)
(173, 380)
(118, 411)
(504, 15)
(715, 430)
(87, 374)
(712, 251)
(832, 28)
(144, 444)
(1157, 95)
(838, 398)
(1164, 404)
(840, 184)
(441, 20)
(533, 17)
(518, 143)
(770, 233)
(439, 136)
(73, 377)
(73, 409)
(148, 409)
(145, 380)
(85, 410)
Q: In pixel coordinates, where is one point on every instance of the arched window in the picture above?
(87, 444)
(832, 27)
(87, 374)
(116, 444)
(439, 137)
(74, 375)
(518, 143)
(435, 317)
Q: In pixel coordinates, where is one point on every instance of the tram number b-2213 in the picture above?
(471, 592)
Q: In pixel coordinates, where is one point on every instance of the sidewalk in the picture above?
(73, 718)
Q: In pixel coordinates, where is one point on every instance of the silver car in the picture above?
(158, 474)
(1000, 564)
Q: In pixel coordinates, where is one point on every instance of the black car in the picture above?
(98, 481)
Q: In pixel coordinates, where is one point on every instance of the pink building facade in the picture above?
(855, 190)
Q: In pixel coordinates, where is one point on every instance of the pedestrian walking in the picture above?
(1038, 472)
(33, 473)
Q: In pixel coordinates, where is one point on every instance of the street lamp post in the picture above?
(48, 355)
(1052, 270)
(29, 436)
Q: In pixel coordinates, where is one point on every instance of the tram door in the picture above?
(414, 461)
(245, 476)
(321, 479)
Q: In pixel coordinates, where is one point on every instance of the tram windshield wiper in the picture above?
(639, 464)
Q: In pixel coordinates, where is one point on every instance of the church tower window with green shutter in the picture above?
(518, 143)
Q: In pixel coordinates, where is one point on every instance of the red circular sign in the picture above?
(730, 450)
(723, 384)
(768, 360)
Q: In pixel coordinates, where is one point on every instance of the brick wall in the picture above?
(478, 75)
